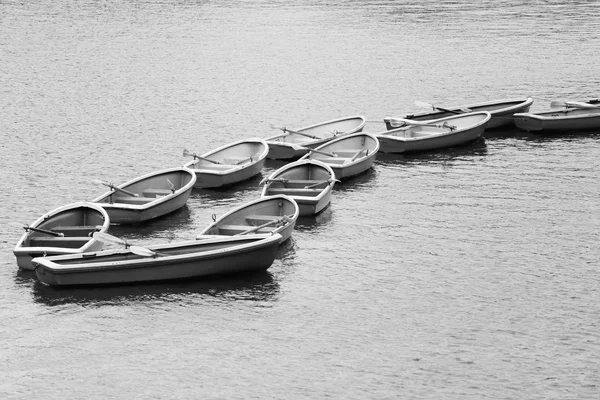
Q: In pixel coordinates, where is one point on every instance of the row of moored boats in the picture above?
(65, 246)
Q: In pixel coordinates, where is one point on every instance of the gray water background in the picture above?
(468, 273)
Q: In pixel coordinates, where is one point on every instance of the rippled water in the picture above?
(466, 273)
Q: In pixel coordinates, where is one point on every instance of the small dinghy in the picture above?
(308, 182)
(180, 260)
(349, 155)
(501, 111)
(274, 214)
(416, 136)
(293, 144)
(65, 230)
(229, 164)
(575, 116)
(147, 197)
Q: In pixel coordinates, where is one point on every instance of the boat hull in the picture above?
(292, 145)
(75, 221)
(501, 112)
(154, 196)
(568, 120)
(348, 156)
(256, 213)
(412, 139)
(233, 163)
(184, 260)
(308, 182)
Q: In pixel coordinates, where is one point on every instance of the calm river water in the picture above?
(463, 274)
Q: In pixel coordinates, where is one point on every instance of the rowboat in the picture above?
(229, 164)
(179, 260)
(349, 155)
(149, 196)
(501, 111)
(576, 116)
(274, 214)
(64, 230)
(415, 136)
(293, 144)
(308, 182)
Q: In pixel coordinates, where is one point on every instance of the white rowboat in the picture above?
(274, 214)
(64, 230)
(308, 182)
(432, 135)
(149, 196)
(293, 144)
(181, 260)
(229, 164)
(576, 116)
(348, 155)
(501, 111)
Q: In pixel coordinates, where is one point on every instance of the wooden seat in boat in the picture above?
(133, 200)
(296, 191)
(150, 192)
(235, 229)
(70, 242)
(80, 230)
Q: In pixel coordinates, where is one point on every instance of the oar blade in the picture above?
(142, 251)
(424, 105)
(107, 238)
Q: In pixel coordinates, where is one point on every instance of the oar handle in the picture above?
(46, 231)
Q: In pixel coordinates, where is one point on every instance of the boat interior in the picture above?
(75, 228)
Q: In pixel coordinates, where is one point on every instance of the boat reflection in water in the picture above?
(258, 286)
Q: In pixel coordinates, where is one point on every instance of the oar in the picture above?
(113, 187)
(139, 250)
(320, 152)
(284, 219)
(171, 186)
(427, 105)
(187, 153)
(328, 181)
(357, 154)
(267, 180)
(405, 121)
(572, 104)
(284, 129)
(40, 230)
